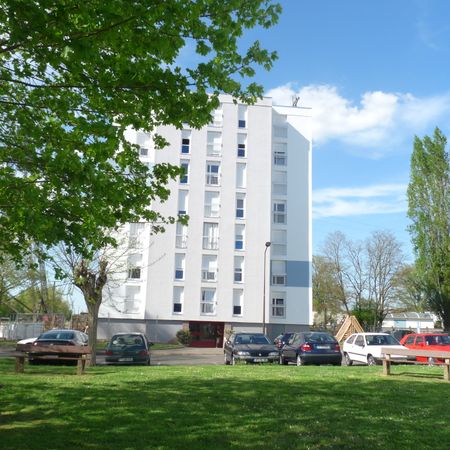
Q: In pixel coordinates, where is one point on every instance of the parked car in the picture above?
(249, 348)
(427, 341)
(58, 337)
(400, 334)
(282, 339)
(311, 347)
(366, 348)
(129, 348)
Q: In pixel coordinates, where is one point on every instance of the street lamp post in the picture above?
(264, 287)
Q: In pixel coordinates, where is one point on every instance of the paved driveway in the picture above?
(183, 357)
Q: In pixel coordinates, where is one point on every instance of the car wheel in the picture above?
(233, 361)
(225, 359)
(283, 361)
(431, 361)
(300, 361)
(347, 360)
(148, 362)
(371, 361)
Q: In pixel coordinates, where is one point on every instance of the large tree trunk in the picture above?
(91, 284)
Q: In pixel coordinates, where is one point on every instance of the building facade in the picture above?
(247, 183)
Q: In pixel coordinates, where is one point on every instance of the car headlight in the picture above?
(273, 354)
(241, 353)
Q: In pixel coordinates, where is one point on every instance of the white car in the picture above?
(366, 348)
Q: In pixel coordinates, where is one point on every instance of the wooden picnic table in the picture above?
(81, 354)
(410, 354)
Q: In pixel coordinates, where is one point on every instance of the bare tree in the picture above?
(334, 250)
(384, 256)
(91, 276)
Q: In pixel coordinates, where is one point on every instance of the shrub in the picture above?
(184, 337)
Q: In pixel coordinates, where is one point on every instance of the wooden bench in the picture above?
(409, 353)
(52, 353)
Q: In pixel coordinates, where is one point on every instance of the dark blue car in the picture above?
(314, 347)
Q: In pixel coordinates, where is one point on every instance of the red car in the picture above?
(427, 341)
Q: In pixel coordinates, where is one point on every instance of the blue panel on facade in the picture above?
(298, 273)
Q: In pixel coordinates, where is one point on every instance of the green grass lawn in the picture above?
(223, 407)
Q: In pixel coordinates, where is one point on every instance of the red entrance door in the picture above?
(206, 334)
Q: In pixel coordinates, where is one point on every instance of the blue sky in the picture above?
(376, 73)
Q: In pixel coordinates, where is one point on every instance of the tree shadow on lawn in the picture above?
(241, 408)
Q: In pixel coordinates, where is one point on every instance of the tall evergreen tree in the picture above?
(429, 211)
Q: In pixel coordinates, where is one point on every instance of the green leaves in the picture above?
(74, 76)
(429, 210)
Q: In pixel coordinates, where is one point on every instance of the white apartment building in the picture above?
(247, 183)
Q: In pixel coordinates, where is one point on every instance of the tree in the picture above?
(409, 290)
(384, 258)
(364, 274)
(326, 291)
(334, 250)
(75, 75)
(429, 211)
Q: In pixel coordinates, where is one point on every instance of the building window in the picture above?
(278, 306)
(242, 116)
(209, 268)
(181, 236)
(134, 266)
(238, 295)
(210, 236)
(279, 183)
(278, 273)
(186, 141)
(131, 301)
(183, 202)
(279, 243)
(242, 146)
(184, 179)
(239, 237)
(217, 117)
(212, 204)
(208, 301)
(214, 143)
(241, 175)
(179, 266)
(240, 206)
(212, 173)
(279, 212)
(238, 269)
(135, 237)
(134, 273)
(143, 151)
(280, 154)
(178, 297)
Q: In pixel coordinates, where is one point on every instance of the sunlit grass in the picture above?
(220, 407)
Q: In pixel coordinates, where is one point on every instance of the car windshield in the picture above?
(251, 339)
(437, 340)
(381, 339)
(57, 335)
(319, 338)
(127, 339)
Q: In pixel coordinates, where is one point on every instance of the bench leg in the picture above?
(20, 364)
(447, 370)
(386, 366)
(81, 364)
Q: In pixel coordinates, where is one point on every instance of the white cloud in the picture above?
(376, 199)
(379, 121)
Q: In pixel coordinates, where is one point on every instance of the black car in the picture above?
(128, 348)
(281, 340)
(311, 347)
(65, 338)
(249, 348)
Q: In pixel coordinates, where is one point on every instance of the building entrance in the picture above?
(206, 334)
